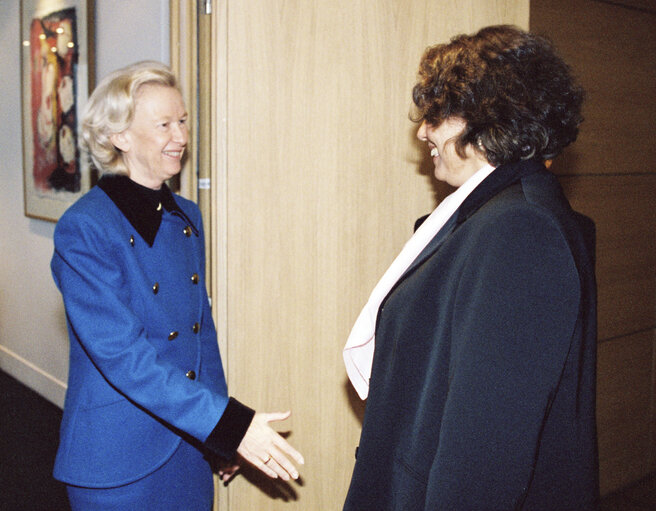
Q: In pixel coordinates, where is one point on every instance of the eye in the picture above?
(164, 124)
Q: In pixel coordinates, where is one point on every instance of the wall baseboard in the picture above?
(34, 377)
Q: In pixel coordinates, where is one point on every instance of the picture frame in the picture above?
(57, 76)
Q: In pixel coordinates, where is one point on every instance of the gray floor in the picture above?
(638, 497)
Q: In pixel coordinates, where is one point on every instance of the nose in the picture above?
(421, 132)
(180, 134)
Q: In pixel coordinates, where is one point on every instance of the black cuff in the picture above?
(230, 430)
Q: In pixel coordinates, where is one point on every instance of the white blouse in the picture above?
(359, 349)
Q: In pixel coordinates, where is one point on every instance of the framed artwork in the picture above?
(56, 78)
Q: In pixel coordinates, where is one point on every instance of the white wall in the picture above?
(33, 338)
(127, 31)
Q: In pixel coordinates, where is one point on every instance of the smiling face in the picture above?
(449, 166)
(153, 145)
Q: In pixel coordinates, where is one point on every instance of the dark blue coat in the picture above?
(144, 365)
(482, 394)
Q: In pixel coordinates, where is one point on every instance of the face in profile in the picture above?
(450, 167)
(153, 145)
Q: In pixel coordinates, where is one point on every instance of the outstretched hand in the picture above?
(266, 450)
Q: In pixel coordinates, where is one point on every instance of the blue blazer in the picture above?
(482, 393)
(145, 368)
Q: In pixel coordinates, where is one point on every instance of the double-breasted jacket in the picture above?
(145, 369)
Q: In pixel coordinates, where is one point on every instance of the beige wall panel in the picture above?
(648, 5)
(624, 210)
(611, 48)
(324, 181)
(624, 413)
(611, 178)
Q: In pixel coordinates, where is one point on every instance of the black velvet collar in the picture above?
(143, 207)
(502, 177)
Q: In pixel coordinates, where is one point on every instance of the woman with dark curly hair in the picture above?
(481, 387)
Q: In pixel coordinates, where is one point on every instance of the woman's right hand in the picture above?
(266, 450)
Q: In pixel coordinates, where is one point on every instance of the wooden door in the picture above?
(317, 179)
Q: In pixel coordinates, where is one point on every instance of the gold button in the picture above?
(159, 207)
(173, 335)
(132, 240)
(155, 288)
(191, 375)
(196, 328)
(187, 231)
(194, 278)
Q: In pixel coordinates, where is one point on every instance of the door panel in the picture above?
(319, 182)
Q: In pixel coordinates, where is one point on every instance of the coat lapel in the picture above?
(433, 245)
(500, 179)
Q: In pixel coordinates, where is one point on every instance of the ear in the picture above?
(121, 141)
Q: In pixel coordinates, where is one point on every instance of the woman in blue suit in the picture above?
(147, 405)
(476, 351)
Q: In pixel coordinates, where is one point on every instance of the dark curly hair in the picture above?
(516, 95)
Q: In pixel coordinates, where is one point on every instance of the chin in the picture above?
(440, 176)
(173, 172)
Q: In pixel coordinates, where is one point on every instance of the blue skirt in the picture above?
(183, 482)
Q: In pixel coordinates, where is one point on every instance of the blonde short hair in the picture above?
(110, 110)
